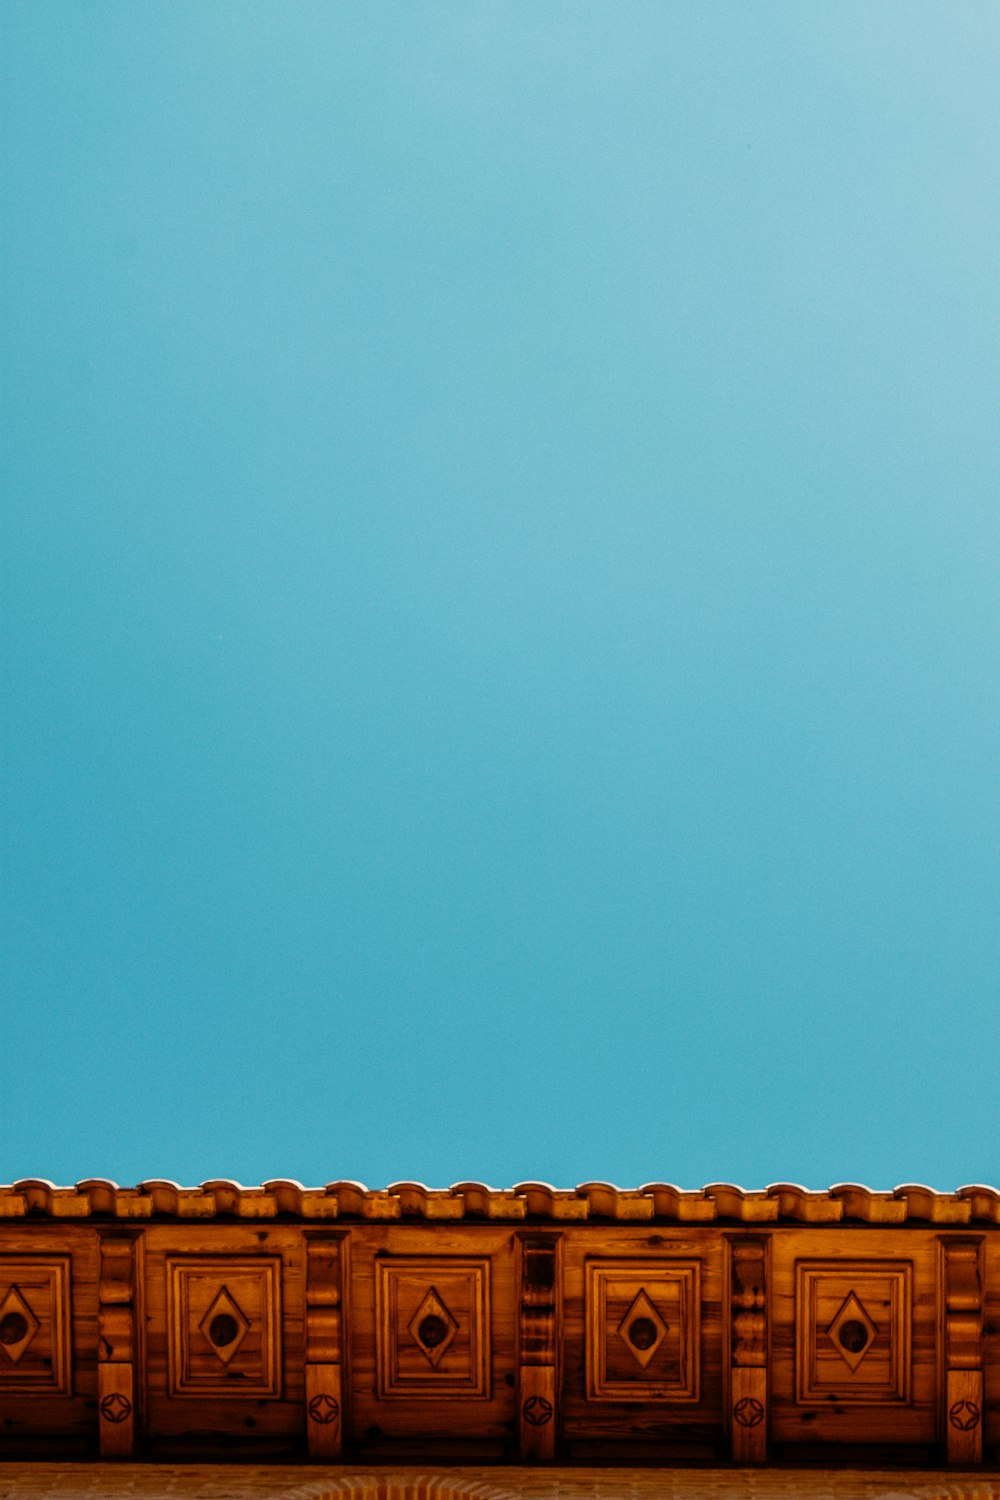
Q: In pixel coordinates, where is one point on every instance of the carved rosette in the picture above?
(962, 1396)
(748, 1349)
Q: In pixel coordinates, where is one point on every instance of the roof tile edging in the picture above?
(99, 1197)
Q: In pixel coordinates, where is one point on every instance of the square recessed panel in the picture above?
(35, 1325)
(433, 1326)
(642, 1330)
(224, 1326)
(853, 1331)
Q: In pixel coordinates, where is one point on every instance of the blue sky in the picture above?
(500, 590)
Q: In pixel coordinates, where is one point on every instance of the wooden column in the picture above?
(326, 1256)
(538, 1361)
(963, 1350)
(748, 1346)
(116, 1345)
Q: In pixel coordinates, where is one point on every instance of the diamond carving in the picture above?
(224, 1325)
(35, 1353)
(433, 1328)
(852, 1332)
(18, 1325)
(642, 1329)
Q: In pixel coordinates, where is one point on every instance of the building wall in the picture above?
(480, 1328)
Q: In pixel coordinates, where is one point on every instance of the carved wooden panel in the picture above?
(748, 1395)
(117, 1344)
(642, 1330)
(991, 1345)
(962, 1349)
(224, 1326)
(325, 1258)
(538, 1395)
(853, 1331)
(488, 1342)
(433, 1326)
(35, 1325)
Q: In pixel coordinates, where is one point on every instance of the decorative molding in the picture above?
(748, 1392)
(432, 1327)
(323, 1409)
(117, 1342)
(115, 1408)
(853, 1331)
(643, 1329)
(35, 1352)
(962, 1349)
(325, 1281)
(458, 1333)
(537, 1411)
(780, 1203)
(538, 1345)
(224, 1326)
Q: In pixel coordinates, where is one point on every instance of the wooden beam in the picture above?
(962, 1349)
(538, 1343)
(326, 1254)
(116, 1345)
(748, 1403)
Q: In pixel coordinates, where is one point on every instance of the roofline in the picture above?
(100, 1198)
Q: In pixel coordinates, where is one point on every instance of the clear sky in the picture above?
(501, 620)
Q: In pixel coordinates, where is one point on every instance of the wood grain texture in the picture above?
(413, 1421)
(56, 1415)
(962, 1349)
(643, 1329)
(325, 1386)
(117, 1345)
(438, 1337)
(991, 1347)
(538, 1346)
(853, 1321)
(35, 1335)
(748, 1403)
(684, 1418)
(432, 1327)
(880, 1393)
(224, 1326)
(269, 1417)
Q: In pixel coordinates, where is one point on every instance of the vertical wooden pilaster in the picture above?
(538, 1348)
(748, 1350)
(325, 1279)
(961, 1261)
(117, 1345)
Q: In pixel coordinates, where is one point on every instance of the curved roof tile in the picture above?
(845, 1202)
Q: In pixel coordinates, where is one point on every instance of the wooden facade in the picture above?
(527, 1327)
